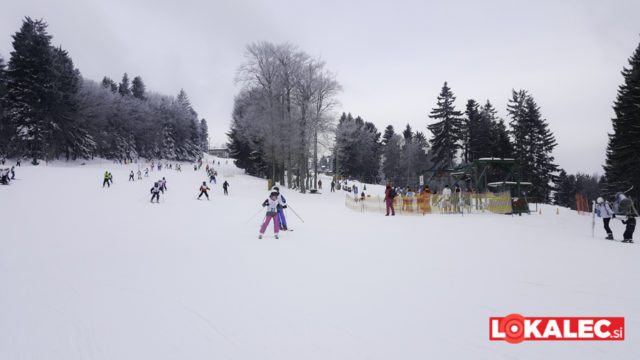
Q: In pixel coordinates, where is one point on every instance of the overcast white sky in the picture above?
(391, 57)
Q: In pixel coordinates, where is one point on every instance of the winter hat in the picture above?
(204, 183)
(600, 200)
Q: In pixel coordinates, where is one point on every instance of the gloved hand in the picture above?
(284, 207)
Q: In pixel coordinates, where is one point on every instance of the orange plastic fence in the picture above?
(582, 204)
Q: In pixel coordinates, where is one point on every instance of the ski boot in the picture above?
(609, 237)
(260, 236)
(276, 236)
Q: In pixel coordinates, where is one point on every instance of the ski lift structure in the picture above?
(477, 172)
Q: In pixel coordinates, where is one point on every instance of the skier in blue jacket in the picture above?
(281, 218)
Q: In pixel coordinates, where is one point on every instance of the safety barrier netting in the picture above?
(498, 203)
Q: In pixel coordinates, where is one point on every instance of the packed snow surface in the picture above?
(88, 272)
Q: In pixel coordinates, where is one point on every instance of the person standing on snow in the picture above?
(155, 192)
(273, 205)
(320, 184)
(139, 175)
(389, 195)
(106, 179)
(146, 172)
(631, 226)
(446, 198)
(131, 176)
(457, 197)
(604, 211)
(225, 185)
(333, 186)
(281, 219)
(203, 190)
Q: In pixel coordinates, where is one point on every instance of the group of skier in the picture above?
(6, 175)
(623, 206)
(108, 179)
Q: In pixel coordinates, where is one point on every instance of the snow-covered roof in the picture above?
(498, 183)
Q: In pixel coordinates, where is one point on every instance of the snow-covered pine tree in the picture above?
(565, 189)
(5, 132)
(204, 135)
(475, 139)
(533, 143)
(391, 154)
(499, 145)
(29, 90)
(446, 130)
(124, 86)
(69, 136)
(109, 84)
(137, 88)
(622, 168)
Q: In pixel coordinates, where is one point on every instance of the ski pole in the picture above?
(289, 206)
(252, 216)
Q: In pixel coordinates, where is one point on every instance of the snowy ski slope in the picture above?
(100, 273)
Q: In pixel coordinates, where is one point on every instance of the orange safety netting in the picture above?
(434, 204)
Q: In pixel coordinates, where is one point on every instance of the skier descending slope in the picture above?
(225, 185)
(272, 204)
(106, 179)
(281, 219)
(155, 192)
(604, 211)
(131, 176)
(203, 190)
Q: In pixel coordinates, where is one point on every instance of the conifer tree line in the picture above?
(282, 114)
(567, 186)
(48, 110)
(456, 137)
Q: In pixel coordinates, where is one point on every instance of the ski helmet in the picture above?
(276, 188)
(600, 200)
(204, 183)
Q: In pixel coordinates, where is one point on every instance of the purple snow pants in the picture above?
(276, 227)
(390, 206)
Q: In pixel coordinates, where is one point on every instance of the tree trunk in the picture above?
(315, 159)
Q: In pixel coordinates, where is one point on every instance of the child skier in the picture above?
(272, 204)
(139, 175)
(604, 211)
(631, 226)
(131, 176)
(281, 219)
(155, 192)
(146, 172)
(163, 184)
(203, 190)
(225, 185)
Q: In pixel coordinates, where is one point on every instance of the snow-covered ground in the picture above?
(100, 273)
